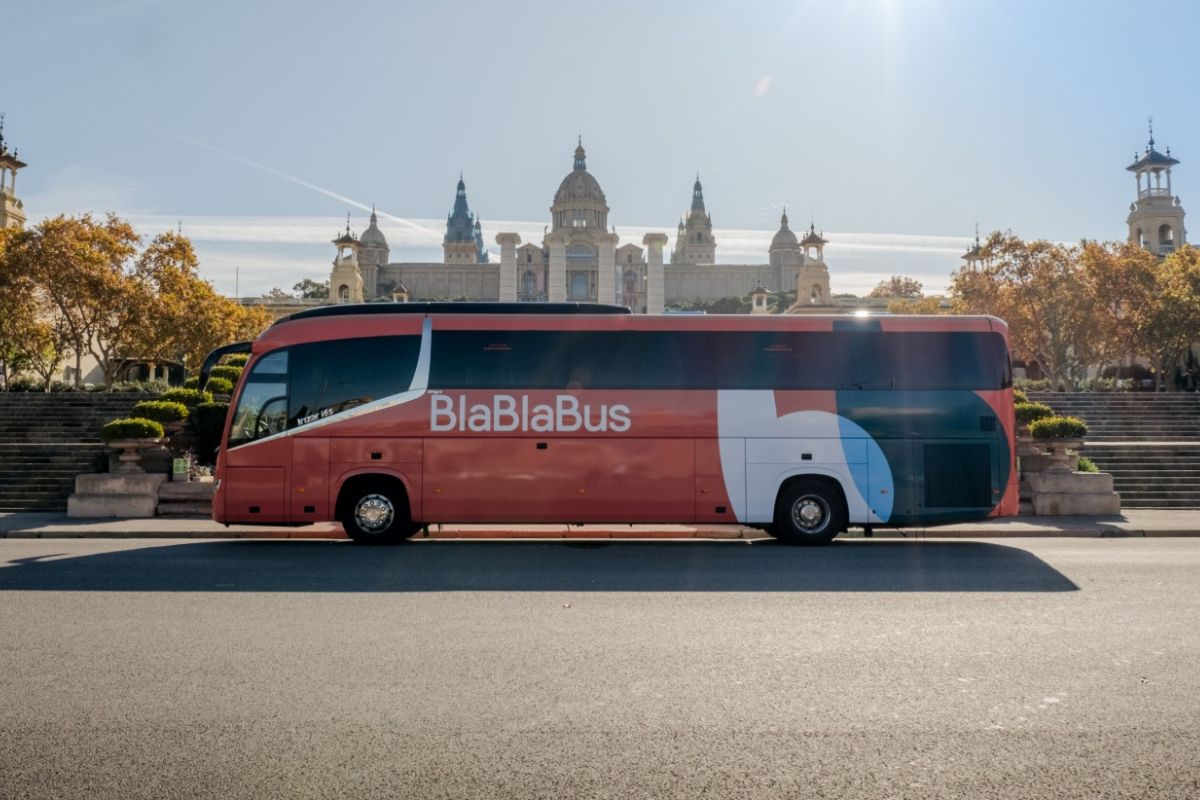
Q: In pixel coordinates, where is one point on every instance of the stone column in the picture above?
(556, 292)
(508, 266)
(606, 279)
(654, 243)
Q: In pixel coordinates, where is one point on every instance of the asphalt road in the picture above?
(1062, 668)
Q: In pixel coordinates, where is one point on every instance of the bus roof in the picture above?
(308, 326)
(356, 309)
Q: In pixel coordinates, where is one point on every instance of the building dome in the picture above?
(372, 236)
(784, 236)
(579, 186)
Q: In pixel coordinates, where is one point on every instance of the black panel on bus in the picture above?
(844, 360)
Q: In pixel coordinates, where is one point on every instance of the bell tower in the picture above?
(1156, 217)
(12, 210)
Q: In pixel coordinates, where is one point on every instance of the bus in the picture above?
(389, 417)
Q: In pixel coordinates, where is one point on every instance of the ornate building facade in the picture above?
(580, 259)
(12, 210)
(1156, 217)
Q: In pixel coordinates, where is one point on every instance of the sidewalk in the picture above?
(1132, 522)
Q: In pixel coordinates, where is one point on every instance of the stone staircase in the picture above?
(48, 439)
(1149, 442)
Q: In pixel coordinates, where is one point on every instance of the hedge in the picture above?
(189, 397)
(163, 411)
(219, 386)
(237, 359)
(207, 423)
(192, 382)
(1058, 428)
(1028, 412)
(134, 428)
(230, 374)
(1020, 396)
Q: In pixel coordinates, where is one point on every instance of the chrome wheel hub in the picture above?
(374, 513)
(810, 513)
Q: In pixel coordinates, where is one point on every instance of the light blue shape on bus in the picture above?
(873, 479)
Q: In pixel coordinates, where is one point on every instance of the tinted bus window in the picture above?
(867, 360)
(842, 360)
(262, 405)
(328, 377)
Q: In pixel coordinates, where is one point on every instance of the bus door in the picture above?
(257, 453)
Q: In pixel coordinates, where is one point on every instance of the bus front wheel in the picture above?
(376, 512)
(809, 511)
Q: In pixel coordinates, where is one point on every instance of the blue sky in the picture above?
(897, 124)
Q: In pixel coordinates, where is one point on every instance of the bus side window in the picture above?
(334, 376)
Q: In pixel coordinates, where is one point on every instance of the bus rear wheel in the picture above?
(809, 512)
(376, 513)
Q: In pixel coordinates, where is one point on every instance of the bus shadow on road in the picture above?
(441, 566)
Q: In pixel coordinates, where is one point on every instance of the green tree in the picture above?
(898, 286)
(309, 289)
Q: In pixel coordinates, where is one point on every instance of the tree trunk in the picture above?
(78, 369)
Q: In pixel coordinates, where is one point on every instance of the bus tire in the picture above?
(375, 512)
(809, 511)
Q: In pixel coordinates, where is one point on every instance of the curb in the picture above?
(734, 534)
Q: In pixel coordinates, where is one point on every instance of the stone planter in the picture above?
(1063, 454)
(1059, 492)
(131, 455)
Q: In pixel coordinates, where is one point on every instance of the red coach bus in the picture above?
(389, 417)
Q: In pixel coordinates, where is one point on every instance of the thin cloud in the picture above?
(764, 83)
(298, 181)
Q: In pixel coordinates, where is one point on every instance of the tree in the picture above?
(278, 295)
(1170, 323)
(186, 318)
(309, 289)
(898, 286)
(1039, 289)
(920, 305)
(1119, 278)
(80, 266)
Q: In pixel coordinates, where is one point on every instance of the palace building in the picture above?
(580, 259)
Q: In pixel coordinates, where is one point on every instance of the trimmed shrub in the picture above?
(1087, 465)
(189, 397)
(237, 359)
(133, 428)
(1020, 396)
(163, 411)
(206, 423)
(230, 374)
(25, 384)
(192, 382)
(1058, 428)
(1040, 385)
(155, 386)
(219, 386)
(1029, 412)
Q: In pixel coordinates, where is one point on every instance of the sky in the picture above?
(893, 125)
